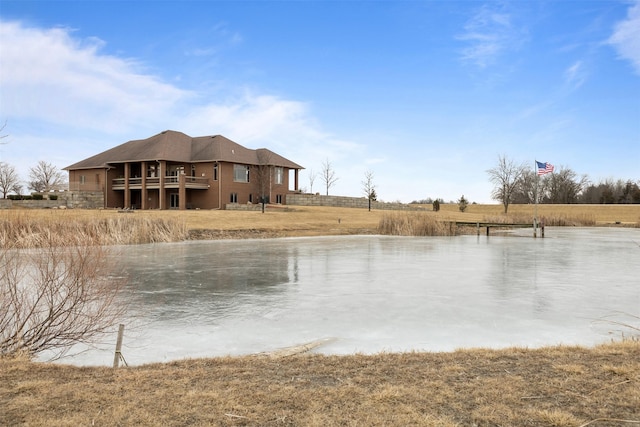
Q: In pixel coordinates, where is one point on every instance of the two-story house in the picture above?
(172, 170)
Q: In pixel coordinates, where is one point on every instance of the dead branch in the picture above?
(56, 296)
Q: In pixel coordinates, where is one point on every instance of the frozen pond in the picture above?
(376, 293)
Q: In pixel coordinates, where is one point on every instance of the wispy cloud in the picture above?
(575, 75)
(489, 33)
(626, 37)
(219, 38)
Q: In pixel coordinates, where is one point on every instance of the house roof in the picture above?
(178, 147)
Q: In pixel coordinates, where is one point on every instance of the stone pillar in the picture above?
(127, 192)
(143, 192)
(162, 196)
(182, 191)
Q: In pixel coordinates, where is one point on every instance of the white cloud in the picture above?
(285, 126)
(50, 76)
(626, 37)
(63, 97)
(489, 33)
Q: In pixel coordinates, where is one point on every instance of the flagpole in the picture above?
(535, 215)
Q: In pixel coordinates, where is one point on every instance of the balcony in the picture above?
(170, 181)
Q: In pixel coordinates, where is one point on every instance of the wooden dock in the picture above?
(489, 225)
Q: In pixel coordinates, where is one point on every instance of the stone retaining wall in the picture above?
(344, 202)
(66, 199)
(83, 199)
(242, 207)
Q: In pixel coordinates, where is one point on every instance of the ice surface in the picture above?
(376, 293)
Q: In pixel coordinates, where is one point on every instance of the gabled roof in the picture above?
(178, 147)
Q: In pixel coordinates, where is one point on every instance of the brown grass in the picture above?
(287, 221)
(442, 223)
(556, 386)
(415, 224)
(29, 229)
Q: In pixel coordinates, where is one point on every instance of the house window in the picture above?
(176, 170)
(215, 172)
(82, 179)
(279, 198)
(250, 198)
(241, 173)
(279, 175)
(234, 198)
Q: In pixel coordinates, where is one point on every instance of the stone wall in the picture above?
(243, 207)
(66, 199)
(344, 202)
(82, 199)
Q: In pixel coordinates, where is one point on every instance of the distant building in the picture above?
(172, 170)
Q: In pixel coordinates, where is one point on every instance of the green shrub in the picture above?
(53, 197)
(37, 196)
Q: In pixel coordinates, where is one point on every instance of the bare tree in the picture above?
(262, 175)
(56, 296)
(609, 192)
(564, 186)
(45, 177)
(527, 188)
(328, 175)
(630, 193)
(9, 179)
(312, 178)
(369, 187)
(505, 177)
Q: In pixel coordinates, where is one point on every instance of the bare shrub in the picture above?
(55, 296)
(414, 224)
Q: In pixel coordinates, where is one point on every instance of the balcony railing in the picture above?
(170, 181)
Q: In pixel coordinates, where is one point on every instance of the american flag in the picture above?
(544, 168)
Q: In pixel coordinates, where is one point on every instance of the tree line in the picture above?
(519, 183)
(43, 177)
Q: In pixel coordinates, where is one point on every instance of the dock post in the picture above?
(118, 354)
(478, 228)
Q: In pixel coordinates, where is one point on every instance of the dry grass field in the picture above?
(555, 386)
(309, 221)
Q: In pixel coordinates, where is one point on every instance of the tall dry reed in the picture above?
(559, 219)
(21, 231)
(566, 220)
(414, 224)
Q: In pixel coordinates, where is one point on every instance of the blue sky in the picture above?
(425, 94)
